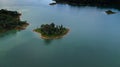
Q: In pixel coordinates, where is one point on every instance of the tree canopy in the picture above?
(51, 30)
(100, 3)
(10, 20)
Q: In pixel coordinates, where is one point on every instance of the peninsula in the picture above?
(52, 31)
(10, 20)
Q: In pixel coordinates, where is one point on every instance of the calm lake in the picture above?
(93, 40)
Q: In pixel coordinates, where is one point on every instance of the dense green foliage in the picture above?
(10, 20)
(51, 30)
(100, 3)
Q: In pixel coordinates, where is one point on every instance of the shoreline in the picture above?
(100, 4)
(52, 37)
(22, 27)
(10, 20)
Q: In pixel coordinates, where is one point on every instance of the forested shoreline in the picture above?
(98, 3)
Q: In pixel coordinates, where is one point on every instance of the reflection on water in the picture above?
(93, 40)
(48, 41)
(11, 32)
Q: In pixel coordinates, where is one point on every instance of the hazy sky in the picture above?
(23, 2)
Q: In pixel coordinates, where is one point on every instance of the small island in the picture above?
(10, 20)
(110, 12)
(52, 31)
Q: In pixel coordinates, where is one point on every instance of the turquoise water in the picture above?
(93, 40)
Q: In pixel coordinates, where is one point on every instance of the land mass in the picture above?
(99, 3)
(110, 12)
(52, 31)
(10, 20)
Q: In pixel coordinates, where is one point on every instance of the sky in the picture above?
(23, 2)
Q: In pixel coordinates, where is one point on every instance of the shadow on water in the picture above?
(8, 33)
(49, 41)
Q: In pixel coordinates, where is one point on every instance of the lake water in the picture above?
(93, 40)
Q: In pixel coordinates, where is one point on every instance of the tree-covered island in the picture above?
(110, 12)
(10, 20)
(52, 31)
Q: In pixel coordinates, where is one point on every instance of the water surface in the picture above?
(93, 40)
